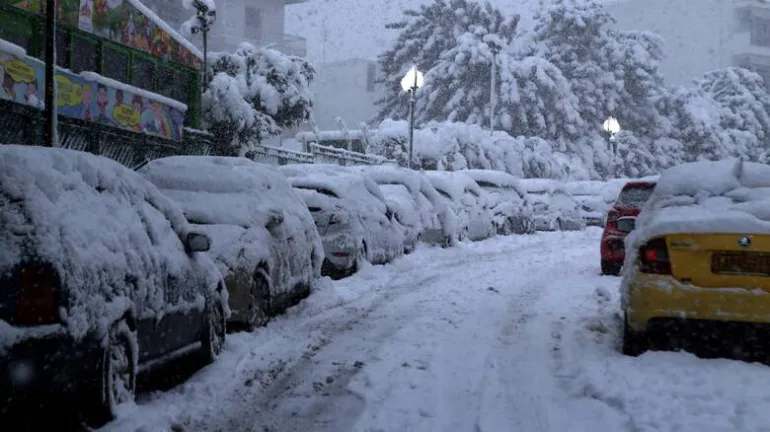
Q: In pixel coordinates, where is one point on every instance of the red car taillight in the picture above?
(653, 257)
(36, 302)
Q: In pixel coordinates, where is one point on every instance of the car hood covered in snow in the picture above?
(102, 226)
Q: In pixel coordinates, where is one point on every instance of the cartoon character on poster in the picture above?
(87, 101)
(124, 114)
(20, 82)
(155, 122)
(101, 104)
(85, 15)
(138, 106)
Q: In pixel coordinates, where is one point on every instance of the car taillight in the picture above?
(36, 302)
(654, 257)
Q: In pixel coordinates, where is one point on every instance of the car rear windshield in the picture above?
(634, 197)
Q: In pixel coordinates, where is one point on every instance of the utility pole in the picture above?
(49, 132)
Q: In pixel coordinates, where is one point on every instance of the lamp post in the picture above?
(205, 14)
(49, 129)
(412, 81)
(612, 127)
(494, 47)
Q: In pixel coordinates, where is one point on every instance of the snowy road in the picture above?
(510, 334)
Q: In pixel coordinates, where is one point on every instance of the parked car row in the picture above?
(107, 272)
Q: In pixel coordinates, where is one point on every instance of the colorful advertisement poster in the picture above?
(119, 21)
(22, 81)
(85, 14)
(126, 110)
(20, 78)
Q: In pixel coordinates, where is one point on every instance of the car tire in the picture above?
(214, 329)
(363, 255)
(117, 374)
(260, 300)
(634, 343)
(611, 268)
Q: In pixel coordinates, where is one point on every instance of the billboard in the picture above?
(122, 22)
(125, 107)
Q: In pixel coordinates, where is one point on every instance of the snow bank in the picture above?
(726, 196)
(109, 233)
(235, 200)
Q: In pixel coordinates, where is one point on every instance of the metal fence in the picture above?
(20, 124)
(317, 154)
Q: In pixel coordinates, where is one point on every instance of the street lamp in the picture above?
(612, 127)
(205, 15)
(412, 81)
(495, 46)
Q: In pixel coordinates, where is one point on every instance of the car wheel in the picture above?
(610, 268)
(362, 256)
(117, 374)
(634, 343)
(259, 303)
(215, 327)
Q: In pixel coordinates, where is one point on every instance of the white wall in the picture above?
(341, 91)
(699, 34)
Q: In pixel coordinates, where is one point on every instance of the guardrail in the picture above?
(317, 154)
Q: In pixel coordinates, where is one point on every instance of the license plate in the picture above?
(741, 263)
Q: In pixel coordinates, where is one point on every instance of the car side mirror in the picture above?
(197, 242)
(276, 218)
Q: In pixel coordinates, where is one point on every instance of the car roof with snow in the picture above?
(726, 196)
(352, 186)
(453, 183)
(498, 178)
(100, 224)
(543, 186)
(585, 187)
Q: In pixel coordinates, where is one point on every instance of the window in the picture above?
(85, 55)
(62, 48)
(168, 81)
(115, 64)
(371, 76)
(760, 32)
(762, 71)
(143, 74)
(252, 27)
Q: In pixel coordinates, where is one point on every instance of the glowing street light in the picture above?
(412, 81)
(612, 127)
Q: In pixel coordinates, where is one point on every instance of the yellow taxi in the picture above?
(700, 251)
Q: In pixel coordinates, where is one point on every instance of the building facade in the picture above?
(348, 90)
(258, 22)
(702, 35)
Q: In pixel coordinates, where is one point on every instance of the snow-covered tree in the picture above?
(254, 93)
(430, 32)
(611, 72)
(745, 109)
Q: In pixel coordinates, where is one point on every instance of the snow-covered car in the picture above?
(427, 204)
(554, 209)
(698, 259)
(590, 195)
(467, 200)
(507, 198)
(359, 224)
(101, 275)
(263, 237)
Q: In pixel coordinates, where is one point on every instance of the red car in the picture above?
(621, 220)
